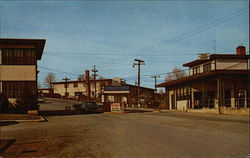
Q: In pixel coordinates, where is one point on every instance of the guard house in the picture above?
(127, 94)
(18, 67)
(214, 81)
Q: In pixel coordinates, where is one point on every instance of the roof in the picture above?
(10, 42)
(125, 84)
(203, 75)
(116, 88)
(216, 56)
(79, 81)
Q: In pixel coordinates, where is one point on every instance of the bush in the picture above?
(26, 103)
(4, 103)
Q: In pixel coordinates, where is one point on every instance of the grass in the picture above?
(18, 117)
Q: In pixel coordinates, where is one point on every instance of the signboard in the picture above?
(116, 89)
(115, 107)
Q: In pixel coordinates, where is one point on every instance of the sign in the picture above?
(115, 107)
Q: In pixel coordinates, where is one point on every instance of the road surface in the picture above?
(131, 135)
(57, 104)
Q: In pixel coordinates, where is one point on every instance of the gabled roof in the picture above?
(216, 56)
(15, 43)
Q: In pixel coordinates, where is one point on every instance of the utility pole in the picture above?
(138, 62)
(155, 77)
(94, 75)
(66, 86)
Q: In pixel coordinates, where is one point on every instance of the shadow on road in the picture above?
(62, 112)
(7, 123)
(5, 144)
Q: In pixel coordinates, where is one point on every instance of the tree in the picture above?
(81, 77)
(51, 77)
(101, 77)
(176, 73)
(161, 91)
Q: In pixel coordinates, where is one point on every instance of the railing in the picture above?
(210, 103)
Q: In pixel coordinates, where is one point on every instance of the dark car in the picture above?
(40, 100)
(89, 107)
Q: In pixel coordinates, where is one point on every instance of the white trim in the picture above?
(116, 92)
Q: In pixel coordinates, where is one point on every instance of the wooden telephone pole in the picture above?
(66, 86)
(138, 62)
(94, 75)
(155, 77)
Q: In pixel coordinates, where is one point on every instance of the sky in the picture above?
(111, 34)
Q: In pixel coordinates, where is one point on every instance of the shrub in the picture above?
(26, 103)
(4, 103)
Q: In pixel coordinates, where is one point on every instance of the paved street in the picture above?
(131, 135)
(57, 104)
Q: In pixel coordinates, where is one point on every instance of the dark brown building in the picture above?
(127, 94)
(18, 67)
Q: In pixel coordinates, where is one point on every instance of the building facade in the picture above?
(127, 94)
(215, 81)
(76, 89)
(18, 67)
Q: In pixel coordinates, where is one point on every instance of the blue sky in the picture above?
(110, 34)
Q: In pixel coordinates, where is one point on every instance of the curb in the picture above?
(115, 112)
(42, 119)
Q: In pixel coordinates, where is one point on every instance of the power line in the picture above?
(183, 36)
(63, 72)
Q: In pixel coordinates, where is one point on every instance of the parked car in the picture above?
(89, 107)
(40, 100)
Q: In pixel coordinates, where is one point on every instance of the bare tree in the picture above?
(39, 85)
(176, 73)
(101, 77)
(51, 77)
(161, 91)
(81, 77)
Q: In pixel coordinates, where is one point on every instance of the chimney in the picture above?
(241, 50)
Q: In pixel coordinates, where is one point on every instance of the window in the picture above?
(207, 67)
(196, 70)
(182, 93)
(75, 84)
(18, 56)
(19, 89)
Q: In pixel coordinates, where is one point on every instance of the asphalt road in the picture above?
(131, 135)
(57, 104)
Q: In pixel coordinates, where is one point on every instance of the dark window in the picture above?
(18, 56)
(196, 70)
(207, 67)
(75, 84)
(19, 89)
